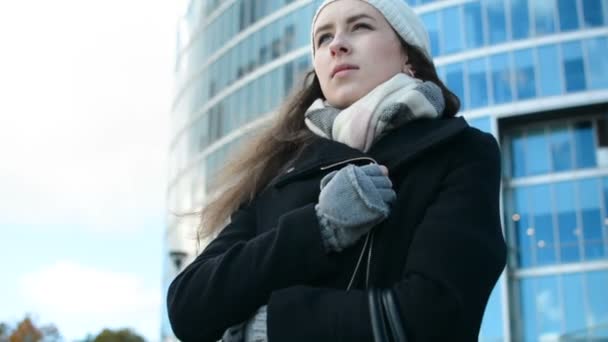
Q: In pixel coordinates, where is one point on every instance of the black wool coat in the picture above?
(441, 249)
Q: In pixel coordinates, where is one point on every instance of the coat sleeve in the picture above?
(237, 272)
(454, 261)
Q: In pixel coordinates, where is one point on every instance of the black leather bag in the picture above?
(387, 324)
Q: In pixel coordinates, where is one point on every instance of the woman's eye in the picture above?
(361, 25)
(322, 38)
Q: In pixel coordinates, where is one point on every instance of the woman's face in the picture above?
(353, 33)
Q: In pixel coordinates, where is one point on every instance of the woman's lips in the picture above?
(342, 67)
(344, 73)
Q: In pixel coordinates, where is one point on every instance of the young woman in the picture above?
(366, 197)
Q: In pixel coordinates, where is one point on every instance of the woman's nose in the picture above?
(339, 45)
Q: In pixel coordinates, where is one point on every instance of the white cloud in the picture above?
(86, 89)
(82, 300)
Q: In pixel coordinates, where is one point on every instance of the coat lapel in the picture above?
(394, 149)
(414, 138)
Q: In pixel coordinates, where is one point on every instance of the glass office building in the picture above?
(534, 73)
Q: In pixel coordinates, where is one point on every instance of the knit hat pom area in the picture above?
(399, 15)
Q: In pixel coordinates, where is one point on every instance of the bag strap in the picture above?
(378, 320)
(393, 316)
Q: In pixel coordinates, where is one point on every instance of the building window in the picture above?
(544, 14)
(454, 80)
(495, 12)
(555, 148)
(562, 307)
(525, 79)
(501, 78)
(574, 70)
(452, 37)
(549, 70)
(563, 221)
(568, 15)
(473, 27)
(597, 61)
(592, 13)
(289, 38)
(584, 143)
(558, 223)
(431, 22)
(520, 19)
(478, 87)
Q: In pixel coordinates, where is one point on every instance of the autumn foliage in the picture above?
(27, 331)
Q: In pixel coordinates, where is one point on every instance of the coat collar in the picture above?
(394, 149)
(415, 138)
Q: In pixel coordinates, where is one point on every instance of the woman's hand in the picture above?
(352, 201)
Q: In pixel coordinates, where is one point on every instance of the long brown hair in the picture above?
(254, 166)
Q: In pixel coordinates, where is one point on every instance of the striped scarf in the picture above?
(388, 106)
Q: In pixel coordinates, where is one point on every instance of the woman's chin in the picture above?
(343, 101)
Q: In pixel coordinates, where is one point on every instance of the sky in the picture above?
(85, 96)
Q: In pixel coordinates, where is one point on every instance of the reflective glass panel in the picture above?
(544, 14)
(478, 88)
(605, 198)
(574, 70)
(454, 80)
(518, 155)
(249, 98)
(255, 98)
(452, 38)
(520, 19)
(523, 227)
(560, 145)
(584, 144)
(431, 22)
(527, 317)
(525, 79)
(266, 94)
(543, 225)
(568, 15)
(288, 29)
(598, 62)
(548, 307)
(275, 84)
(597, 283)
(589, 193)
(501, 78)
(549, 70)
(473, 26)
(537, 148)
(569, 232)
(574, 302)
(592, 13)
(495, 11)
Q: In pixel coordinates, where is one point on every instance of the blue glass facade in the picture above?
(534, 73)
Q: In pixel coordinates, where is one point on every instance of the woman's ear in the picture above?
(407, 67)
(409, 70)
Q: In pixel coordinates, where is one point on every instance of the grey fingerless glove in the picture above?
(352, 201)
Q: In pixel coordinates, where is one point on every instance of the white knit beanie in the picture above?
(399, 15)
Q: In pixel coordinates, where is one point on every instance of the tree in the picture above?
(122, 335)
(27, 331)
(4, 331)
